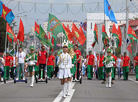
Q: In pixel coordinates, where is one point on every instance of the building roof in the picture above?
(132, 23)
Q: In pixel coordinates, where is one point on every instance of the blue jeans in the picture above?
(83, 71)
(2, 72)
(119, 71)
(20, 69)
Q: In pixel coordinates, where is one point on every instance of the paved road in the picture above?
(88, 91)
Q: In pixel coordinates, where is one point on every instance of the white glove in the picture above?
(28, 58)
(72, 65)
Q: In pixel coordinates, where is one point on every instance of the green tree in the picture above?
(2, 34)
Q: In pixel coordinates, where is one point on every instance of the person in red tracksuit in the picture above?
(42, 56)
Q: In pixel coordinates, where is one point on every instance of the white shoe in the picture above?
(31, 85)
(75, 79)
(23, 78)
(16, 78)
(1, 79)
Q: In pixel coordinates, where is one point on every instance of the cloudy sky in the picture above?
(37, 10)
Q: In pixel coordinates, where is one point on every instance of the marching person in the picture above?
(108, 61)
(56, 65)
(50, 65)
(42, 56)
(7, 66)
(101, 67)
(36, 67)
(78, 61)
(126, 65)
(114, 68)
(136, 65)
(118, 64)
(90, 62)
(2, 63)
(65, 63)
(31, 60)
(20, 63)
(107, 46)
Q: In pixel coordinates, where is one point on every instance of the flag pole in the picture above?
(5, 42)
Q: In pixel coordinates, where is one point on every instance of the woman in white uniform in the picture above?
(65, 63)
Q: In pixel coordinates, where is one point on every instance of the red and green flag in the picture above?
(116, 34)
(54, 25)
(95, 35)
(68, 33)
(105, 37)
(78, 34)
(120, 37)
(131, 33)
(10, 34)
(37, 30)
(44, 39)
(21, 32)
(130, 46)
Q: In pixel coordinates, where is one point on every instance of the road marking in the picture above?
(68, 98)
(6, 82)
(132, 80)
(59, 97)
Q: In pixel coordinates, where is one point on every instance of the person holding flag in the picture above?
(90, 63)
(42, 56)
(78, 61)
(101, 67)
(50, 65)
(108, 61)
(31, 60)
(126, 65)
(7, 66)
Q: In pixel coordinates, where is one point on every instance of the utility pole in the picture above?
(127, 20)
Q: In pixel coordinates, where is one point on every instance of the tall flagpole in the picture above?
(126, 23)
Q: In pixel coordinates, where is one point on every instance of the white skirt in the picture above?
(64, 73)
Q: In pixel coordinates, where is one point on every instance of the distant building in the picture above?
(98, 18)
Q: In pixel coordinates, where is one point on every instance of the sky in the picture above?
(38, 10)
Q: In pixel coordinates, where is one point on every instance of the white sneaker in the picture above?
(75, 79)
(23, 78)
(1, 79)
(16, 78)
(31, 85)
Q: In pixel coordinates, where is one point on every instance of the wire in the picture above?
(74, 13)
(29, 10)
(134, 5)
(61, 12)
(43, 12)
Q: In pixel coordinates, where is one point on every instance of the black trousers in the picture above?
(42, 66)
(78, 73)
(56, 71)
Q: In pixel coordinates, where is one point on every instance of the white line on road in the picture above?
(68, 98)
(132, 80)
(59, 97)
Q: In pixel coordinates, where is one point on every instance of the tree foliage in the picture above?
(2, 34)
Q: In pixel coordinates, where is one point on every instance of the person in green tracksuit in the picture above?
(36, 67)
(50, 65)
(136, 65)
(108, 61)
(31, 60)
(101, 67)
(90, 63)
